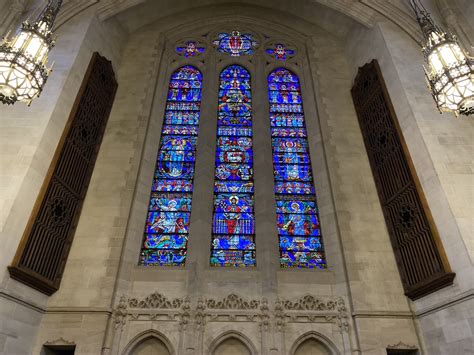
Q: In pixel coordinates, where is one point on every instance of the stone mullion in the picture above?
(266, 231)
(201, 216)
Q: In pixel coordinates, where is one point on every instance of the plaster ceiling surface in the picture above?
(335, 16)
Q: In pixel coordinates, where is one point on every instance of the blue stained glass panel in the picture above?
(286, 120)
(233, 202)
(233, 224)
(233, 186)
(173, 129)
(184, 94)
(291, 158)
(289, 132)
(183, 155)
(160, 185)
(235, 258)
(301, 243)
(302, 259)
(289, 145)
(235, 131)
(174, 170)
(190, 49)
(178, 143)
(298, 224)
(163, 257)
(182, 118)
(170, 202)
(299, 232)
(166, 241)
(231, 172)
(235, 43)
(226, 241)
(288, 172)
(167, 224)
(295, 206)
(294, 188)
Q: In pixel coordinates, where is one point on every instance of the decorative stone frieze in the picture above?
(232, 308)
(309, 309)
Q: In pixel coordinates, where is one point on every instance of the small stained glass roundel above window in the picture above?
(235, 43)
(190, 49)
(280, 51)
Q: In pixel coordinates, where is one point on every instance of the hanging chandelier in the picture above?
(23, 58)
(449, 70)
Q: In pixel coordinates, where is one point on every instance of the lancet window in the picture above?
(233, 227)
(169, 211)
(299, 232)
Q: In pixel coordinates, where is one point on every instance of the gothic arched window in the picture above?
(233, 227)
(299, 233)
(166, 230)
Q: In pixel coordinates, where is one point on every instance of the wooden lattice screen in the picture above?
(42, 254)
(418, 250)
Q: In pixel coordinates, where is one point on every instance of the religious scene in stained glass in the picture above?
(167, 224)
(297, 213)
(280, 51)
(235, 43)
(233, 225)
(190, 49)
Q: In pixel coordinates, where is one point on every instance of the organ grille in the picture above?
(420, 256)
(43, 251)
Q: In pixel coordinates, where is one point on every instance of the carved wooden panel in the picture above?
(43, 251)
(420, 256)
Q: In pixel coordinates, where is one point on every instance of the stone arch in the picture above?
(326, 346)
(149, 337)
(228, 337)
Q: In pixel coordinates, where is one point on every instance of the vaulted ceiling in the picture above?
(325, 12)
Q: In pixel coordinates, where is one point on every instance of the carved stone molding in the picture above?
(232, 302)
(233, 308)
(401, 346)
(156, 300)
(310, 309)
(59, 342)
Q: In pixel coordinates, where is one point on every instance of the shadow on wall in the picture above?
(231, 346)
(150, 346)
(312, 347)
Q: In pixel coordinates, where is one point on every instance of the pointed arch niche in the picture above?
(313, 343)
(232, 343)
(150, 342)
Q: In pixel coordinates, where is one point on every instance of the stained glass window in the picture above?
(280, 51)
(233, 226)
(235, 43)
(299, 232)
(190, 49)
(166, 230)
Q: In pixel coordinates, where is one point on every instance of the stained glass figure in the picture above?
(280, 51)
(167, 224)
(233, 225)
(190, 49)
(299, 231)
(235, 43)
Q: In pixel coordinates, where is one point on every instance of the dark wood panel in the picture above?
(42, 254)
(418, 250)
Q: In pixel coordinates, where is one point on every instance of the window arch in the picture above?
(233, 227)
(166, 229)
(299, 233)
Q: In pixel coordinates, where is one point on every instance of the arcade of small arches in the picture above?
(229, 343)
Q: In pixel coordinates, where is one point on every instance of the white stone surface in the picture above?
(102, 265)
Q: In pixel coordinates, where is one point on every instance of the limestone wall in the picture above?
(27, 143)
(107, 303)
(441, 147)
